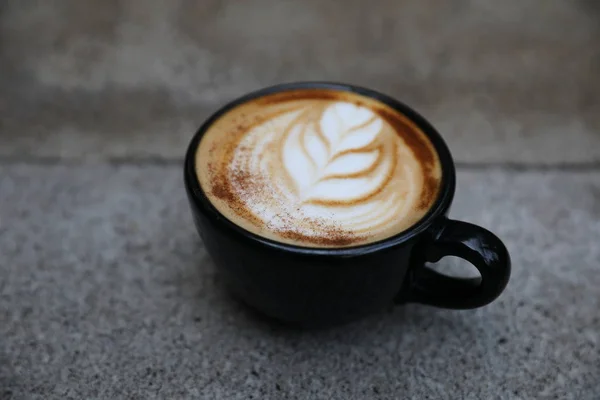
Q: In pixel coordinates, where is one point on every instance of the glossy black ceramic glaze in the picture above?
(319, 287)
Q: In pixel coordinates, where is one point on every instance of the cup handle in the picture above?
(474, 244)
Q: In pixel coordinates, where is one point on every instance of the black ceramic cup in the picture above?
(322, 287)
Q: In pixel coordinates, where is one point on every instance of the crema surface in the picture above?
(318, 168)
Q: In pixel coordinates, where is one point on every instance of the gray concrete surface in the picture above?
(505, 81)
(107, 292)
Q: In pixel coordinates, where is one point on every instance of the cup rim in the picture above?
(438, 209)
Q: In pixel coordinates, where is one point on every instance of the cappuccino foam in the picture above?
(318, 168)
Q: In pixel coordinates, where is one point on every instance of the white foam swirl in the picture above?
(330, 165)
(327, 161)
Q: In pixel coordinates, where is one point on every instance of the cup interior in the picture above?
(439, 207)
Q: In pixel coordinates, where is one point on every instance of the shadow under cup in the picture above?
(328, 286)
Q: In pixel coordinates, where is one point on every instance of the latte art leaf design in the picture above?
(318, 171)
(336, 156)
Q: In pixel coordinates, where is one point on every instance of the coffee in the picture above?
(318, 168)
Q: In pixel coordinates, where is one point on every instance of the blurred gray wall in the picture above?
(504, 81)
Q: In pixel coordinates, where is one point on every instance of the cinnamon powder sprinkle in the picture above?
(255, 188)
(328, 235)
